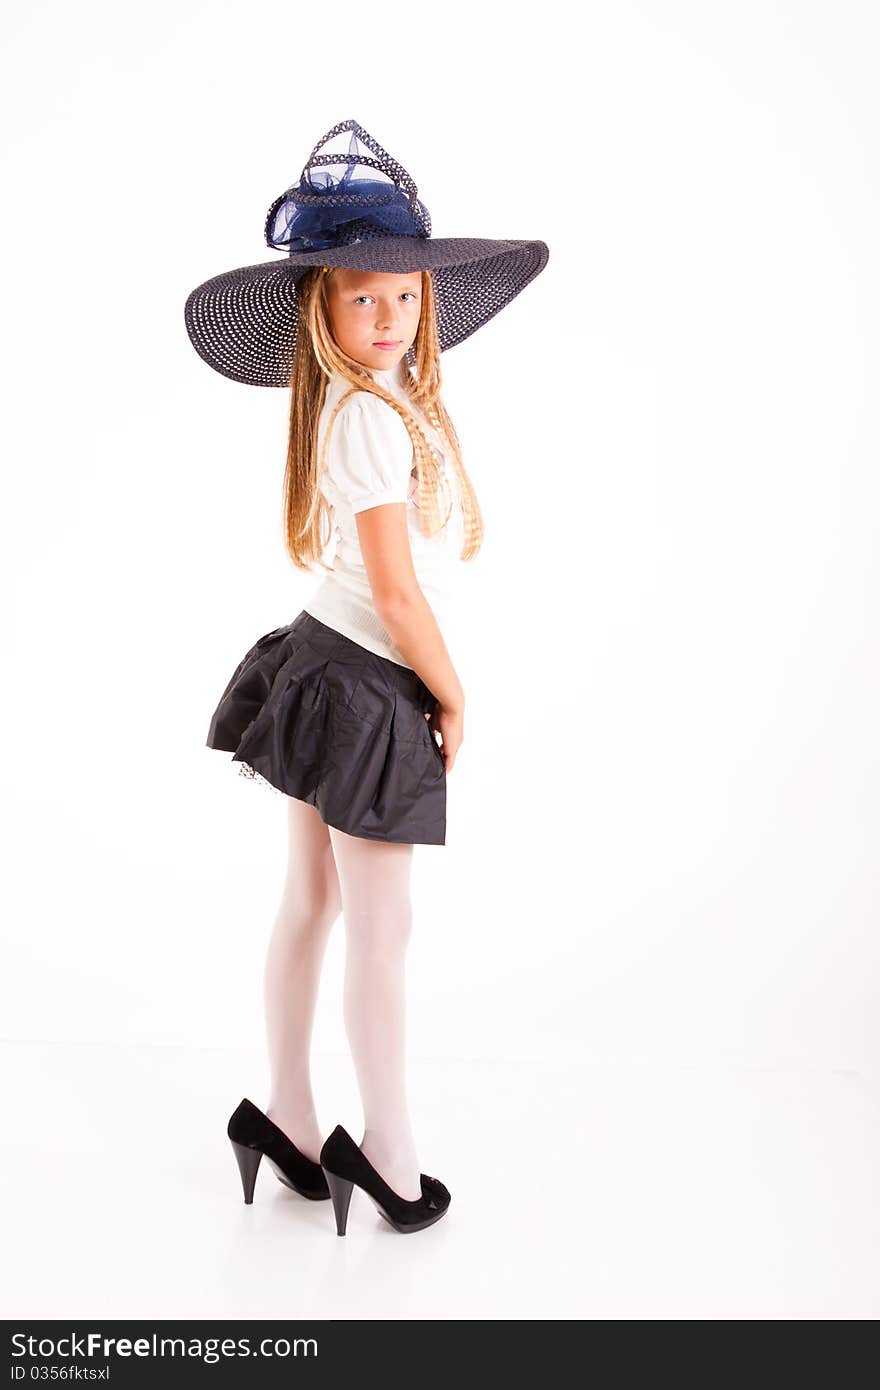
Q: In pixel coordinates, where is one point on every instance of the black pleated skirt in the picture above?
(321, 718)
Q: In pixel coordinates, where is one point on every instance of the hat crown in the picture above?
(373, 197)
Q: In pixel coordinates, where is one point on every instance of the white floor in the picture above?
(578, 1192)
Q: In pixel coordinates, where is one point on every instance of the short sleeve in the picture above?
(370, 454)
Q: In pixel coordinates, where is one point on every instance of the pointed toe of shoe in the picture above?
(437, 1196)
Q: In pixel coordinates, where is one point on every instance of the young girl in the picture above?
(341, 708)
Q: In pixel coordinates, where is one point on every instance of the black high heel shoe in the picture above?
(252, 1134)
(346, 1166)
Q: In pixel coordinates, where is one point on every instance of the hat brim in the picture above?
(243, 323)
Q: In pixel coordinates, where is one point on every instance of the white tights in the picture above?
(369, 882)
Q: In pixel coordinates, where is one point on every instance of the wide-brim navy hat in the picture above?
(244, 322)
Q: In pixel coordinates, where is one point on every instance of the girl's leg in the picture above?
(310, 904)
(374, 878)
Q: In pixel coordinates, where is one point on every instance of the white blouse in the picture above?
(370, 461)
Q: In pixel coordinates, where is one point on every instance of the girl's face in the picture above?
(368, 309)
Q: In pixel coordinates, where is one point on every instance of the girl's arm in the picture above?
(407, 615)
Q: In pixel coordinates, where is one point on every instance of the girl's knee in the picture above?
(379, 930)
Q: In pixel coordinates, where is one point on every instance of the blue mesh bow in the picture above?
(324, 211)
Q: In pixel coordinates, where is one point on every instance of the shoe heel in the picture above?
(340, 1194)
(248, 1163)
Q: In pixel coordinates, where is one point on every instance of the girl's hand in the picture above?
(450, 725)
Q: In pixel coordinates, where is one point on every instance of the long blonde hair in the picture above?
(307, 521)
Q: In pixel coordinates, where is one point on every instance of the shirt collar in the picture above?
(391, 379)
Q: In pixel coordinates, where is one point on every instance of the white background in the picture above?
(663, 822)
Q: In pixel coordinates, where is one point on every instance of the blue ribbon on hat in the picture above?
(314, 227)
